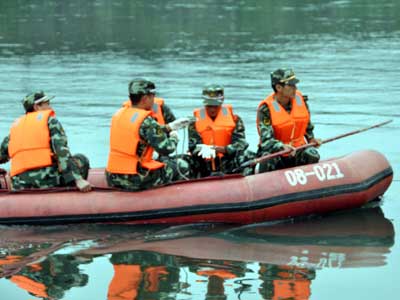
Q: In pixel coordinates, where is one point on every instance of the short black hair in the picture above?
(30, 109)
(135, 98)
(275, 84)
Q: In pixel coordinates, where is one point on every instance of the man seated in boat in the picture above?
(38, 150)
(135, 134)
(283, 123)
(163, 114)
(217, 140)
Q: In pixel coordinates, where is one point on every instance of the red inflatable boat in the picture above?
(336, 184)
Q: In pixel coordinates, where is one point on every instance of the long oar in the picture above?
(283, 152)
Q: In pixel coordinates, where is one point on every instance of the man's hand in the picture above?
(290, 148)
(179, 124)
(220, 149)
(318, 142)
(174, 134)
(205, 151)
(83, 185)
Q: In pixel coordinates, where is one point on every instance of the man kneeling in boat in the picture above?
(135, 134)
(217, 140)
(38, 149)
(283, 123)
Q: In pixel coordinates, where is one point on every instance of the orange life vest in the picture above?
(153, 277)
(10, 259)
(216, 132)
(288, 128)
(125, 283)
(36, 288)
(124, 141)
(224, 274)
(29, 146)
(157, 111)
(291, 289)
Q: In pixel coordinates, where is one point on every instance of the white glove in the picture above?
(155, 155)
(205, 151)
(174, 134)
(179, 124)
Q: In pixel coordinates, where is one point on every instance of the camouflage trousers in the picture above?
(49, 177)
(220, 165)
(303, 157)
(174, 169)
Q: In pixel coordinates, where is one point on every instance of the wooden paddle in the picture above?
(276, 154)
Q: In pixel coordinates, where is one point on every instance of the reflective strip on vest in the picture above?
(157, 110)
(298, 100)
(276, 105)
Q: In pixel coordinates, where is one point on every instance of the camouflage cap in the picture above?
(283, 76)
(142, 86)
(213, 95)
(35, 98)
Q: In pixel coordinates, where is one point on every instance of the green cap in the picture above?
(283, 76)
(35, 98)
(213, 95)
(142, 86)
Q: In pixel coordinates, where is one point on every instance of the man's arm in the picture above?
(194, 138)
(59, 145)
(310, 126)
(238, 142)
(4, 150)
(154, 135)
(268, 143)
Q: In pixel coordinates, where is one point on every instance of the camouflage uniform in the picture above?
(54, 275)
(236, 152)
(168, 118)
(66, 169)
(153, 134)
(268, 144)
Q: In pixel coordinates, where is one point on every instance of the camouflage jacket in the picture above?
(238, 143)
(62, 162)
(268, 143)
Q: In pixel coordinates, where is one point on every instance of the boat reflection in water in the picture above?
(275, 261)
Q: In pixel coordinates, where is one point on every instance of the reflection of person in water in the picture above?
(217, 272)
(143, 275)
(47, 279)
(285, 282)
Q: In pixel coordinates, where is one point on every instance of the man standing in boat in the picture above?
(38, 149)
(135, 134)
(283, 123)
(217, 140)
